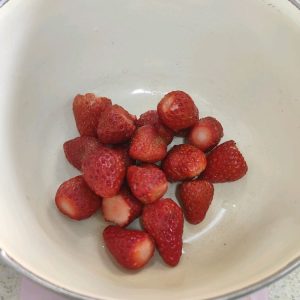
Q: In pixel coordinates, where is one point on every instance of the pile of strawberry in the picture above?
(126, 167)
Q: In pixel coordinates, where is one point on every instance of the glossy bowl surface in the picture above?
(239, 60)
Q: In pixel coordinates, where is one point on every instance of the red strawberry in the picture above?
(148, 183)
(151, 118)
(225, 163)
(147, 145)
(132, 249)
(163, 220)
(75, 200)
(206, 134)
(196, 197)
(104, 171)
(87, 110)
(116, 125)
(76, 149)
(177, 110)
(124, 151)
(183, 162)
(122, 208)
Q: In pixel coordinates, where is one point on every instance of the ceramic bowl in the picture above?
(239, 60)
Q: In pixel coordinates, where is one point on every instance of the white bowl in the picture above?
(239, 60)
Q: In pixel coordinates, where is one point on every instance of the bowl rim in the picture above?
(296, 3)
(244, 291)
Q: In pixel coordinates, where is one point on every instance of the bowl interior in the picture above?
(240, 62)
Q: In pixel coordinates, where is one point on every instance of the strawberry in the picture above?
(183, 162)
(163, 220)
(132, 249)
(75, 200)
(76, 149)
(177, 111)
(87, 110)
(148, 183)
(225, 163)
(124, 151)
(122, 208)
(116, 125)
(206, 134)
(196, 197)
(104, 171)
(150, 117)
(147, 145)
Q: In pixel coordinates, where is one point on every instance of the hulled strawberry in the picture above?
(132, 249)
(177, 111)
(150, 117)
(225, 163)
(206, 134)
(184, 162)
(104, 171)
(163, 220)
(122, 208)
(116, 125)
(196, 197)
(147, 145)
(87, 110)
(75, 199)
(76, 149)
(148, 183)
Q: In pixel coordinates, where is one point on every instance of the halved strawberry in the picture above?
(150, 117)
(75, 199)
(122, 208)
(183, 162)
(104, 171)
(206, 134)
(116, 125)
(177, 110)
(76, 149)
(148, 183)
(147, 145)
(196, 197)
(225, 163)
(87, 110)
(163, 220)
(132, 249)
